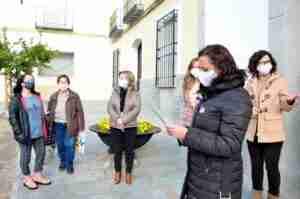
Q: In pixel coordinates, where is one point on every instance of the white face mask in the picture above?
(123, 83)
(264, 69)
(195, 72)
(206, 77)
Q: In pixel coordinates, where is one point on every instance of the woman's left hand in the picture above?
(292, 98)
(178, 132)
(120, 124)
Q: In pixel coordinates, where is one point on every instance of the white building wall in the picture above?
(191, 31)
(145, 30)
(240, 25)
(89, 42)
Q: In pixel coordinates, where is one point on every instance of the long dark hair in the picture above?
(220, 56)
(18, 87)
(254, 61)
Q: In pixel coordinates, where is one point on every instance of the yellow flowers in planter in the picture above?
(144, 126)
(104, 125)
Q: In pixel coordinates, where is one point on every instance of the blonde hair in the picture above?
(130, 77)
(189, 80)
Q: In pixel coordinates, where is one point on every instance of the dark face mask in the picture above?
(29, 84)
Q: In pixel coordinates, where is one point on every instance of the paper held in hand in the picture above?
(156, 112)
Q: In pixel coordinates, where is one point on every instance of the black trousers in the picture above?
(268, 153)
(123, 141)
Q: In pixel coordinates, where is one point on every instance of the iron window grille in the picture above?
(166, 50)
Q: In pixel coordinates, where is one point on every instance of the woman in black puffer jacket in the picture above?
(214, 141)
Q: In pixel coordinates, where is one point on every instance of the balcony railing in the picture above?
(133, 10)
(116, 24)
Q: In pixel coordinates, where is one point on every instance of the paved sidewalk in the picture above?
(7, 160)
(159, 170)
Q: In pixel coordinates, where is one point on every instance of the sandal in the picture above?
(30, 185)
(41, 180)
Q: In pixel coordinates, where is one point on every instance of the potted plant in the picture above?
(144, 132)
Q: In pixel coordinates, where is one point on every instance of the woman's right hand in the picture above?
(120, 124)
(178, 132)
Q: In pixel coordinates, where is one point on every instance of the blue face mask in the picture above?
(29, 84)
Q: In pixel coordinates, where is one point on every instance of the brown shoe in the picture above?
(128, 179)
(257, 194)
(270, 196)
(117, 177)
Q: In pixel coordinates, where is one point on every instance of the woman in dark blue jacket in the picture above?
(214, 141)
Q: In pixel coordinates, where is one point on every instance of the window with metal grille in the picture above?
(166, 50)
(116, 61)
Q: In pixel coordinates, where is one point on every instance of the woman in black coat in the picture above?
(27, 119)
(214, 141)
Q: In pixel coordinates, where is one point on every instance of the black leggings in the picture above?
(123, 141)
(268, 153)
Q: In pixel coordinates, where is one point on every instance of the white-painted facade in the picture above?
(88, 41)
(242, 26)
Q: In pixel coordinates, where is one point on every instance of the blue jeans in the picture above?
(65, 145)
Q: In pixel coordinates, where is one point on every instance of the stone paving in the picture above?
(159, 170)
(7, 160)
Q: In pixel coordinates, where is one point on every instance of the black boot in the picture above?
(62, 166)
(70, 170)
